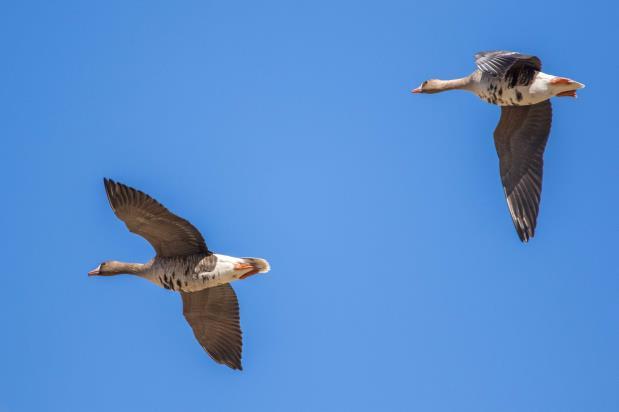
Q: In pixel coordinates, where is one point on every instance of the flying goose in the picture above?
(183, 263)
(515, 82)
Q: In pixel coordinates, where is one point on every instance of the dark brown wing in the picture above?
(520, 139)
(516, 68)
(169, 234)
(213, 314)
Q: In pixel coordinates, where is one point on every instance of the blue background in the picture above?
(286, 130)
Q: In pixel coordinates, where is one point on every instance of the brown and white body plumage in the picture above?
(183, 263)
(194, 273)
(515, 82)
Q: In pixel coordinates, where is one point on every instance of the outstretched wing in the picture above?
(516, 68)
(213, 314)
(520, 139)
(169, 234)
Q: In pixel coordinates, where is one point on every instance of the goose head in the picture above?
(112, 267)
(430, 86)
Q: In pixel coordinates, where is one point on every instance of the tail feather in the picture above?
(260, 264)
(569, 93)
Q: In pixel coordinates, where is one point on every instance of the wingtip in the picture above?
(108, 182)
(525, 234)
(234, 364)
(109, 186)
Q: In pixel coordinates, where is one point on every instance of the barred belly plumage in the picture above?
(190, 273)
(502, 92)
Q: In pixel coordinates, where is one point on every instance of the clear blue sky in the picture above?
(286, 130)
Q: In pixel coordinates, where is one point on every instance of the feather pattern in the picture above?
(184, 273)
(169, 234)
(520, 139)
(213, 314)
(514, 68)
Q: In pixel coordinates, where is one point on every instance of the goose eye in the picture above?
(424, 83)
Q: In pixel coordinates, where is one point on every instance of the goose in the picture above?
(515, 82)
(184, 264)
